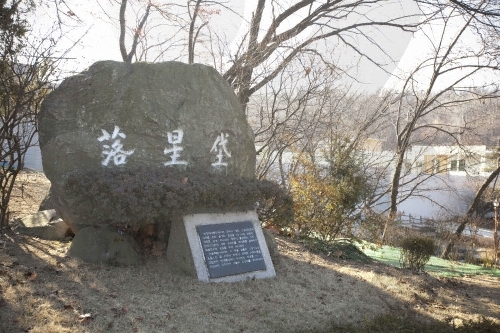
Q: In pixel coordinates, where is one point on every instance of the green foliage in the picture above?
(325, 198)
(153, 195)
(410, 324)
(345, 168)
(9, 18)
(13, 26)
(416, 252)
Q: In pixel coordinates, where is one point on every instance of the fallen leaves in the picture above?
(117, 312)
(158, 248)
(30, 275)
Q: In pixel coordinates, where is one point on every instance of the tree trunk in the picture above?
(123, 50)
(470, 212)
(127, 57)
(393, 210)
(192, 40)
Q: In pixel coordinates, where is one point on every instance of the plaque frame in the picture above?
(192, 221)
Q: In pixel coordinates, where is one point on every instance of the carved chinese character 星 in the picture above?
(174, 138)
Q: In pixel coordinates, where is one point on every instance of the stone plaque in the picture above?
(224, 247)
(230, 248)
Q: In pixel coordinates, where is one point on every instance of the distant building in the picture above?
(453, 176)
(373, 145)
(453, 160)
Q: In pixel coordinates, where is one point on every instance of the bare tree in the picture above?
(193, 36)
(276, 35)
(157, 27)
(137, 32)
(286, 115)
(473, 208)
(27, 67)
(138, 22)
(488, 186)
(279, 43)
(294, 114)
(448, 72)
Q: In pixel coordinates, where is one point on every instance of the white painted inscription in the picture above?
(220, 147)
(175, 138)
(114, 151)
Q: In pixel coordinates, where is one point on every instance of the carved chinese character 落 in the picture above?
(114, 150)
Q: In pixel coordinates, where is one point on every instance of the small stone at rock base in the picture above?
(41, 218)
(104, 244)
(44, 224)
(272, 246)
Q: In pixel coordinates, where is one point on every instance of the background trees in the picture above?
(27, 68)
(278, 33)
(284, 64)
(442, 82)
(11, 122)
(286, 117)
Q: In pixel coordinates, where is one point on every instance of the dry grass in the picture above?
(42, 290)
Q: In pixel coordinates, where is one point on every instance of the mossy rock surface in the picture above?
(104, 244)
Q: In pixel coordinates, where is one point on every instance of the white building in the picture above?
(452, 160)
(453, 176)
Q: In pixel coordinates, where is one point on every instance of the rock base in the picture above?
(104, 244)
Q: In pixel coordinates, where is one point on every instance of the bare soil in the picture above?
(42, 290)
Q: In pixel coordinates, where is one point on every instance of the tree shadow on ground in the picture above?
(66, 295)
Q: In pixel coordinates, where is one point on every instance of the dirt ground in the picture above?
(42, 290)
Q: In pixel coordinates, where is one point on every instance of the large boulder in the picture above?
(140, 116)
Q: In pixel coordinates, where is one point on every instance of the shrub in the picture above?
(139, 196)
(326, 199)
(416, 252)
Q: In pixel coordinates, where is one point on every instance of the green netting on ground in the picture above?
(390, 255)
(341, 248)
